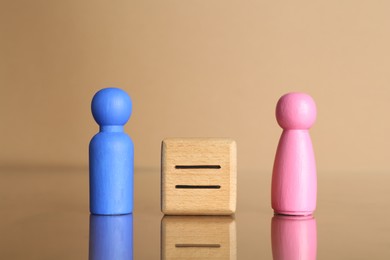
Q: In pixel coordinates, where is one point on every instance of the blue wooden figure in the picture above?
(111, 237)
(111, 155)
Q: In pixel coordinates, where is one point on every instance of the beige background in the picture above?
(195, 68)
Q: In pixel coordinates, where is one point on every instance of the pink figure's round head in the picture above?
(296, 111)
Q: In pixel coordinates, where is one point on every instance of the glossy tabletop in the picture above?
(44, 215)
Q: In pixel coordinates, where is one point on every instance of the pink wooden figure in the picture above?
(294, 178)
(294, 238)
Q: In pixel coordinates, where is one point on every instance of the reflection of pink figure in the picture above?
(294, 178)
(294, 238)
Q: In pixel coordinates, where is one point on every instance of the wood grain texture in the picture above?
(198, 237)
(208, 186)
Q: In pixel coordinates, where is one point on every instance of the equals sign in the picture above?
(198, 167)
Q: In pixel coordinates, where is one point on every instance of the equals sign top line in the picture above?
(198, 167)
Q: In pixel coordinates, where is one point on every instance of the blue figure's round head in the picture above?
(111, 106)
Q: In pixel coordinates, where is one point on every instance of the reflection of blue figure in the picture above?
(111, 237)
(111, 155)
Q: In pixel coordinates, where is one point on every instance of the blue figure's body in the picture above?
(111, 155)
(111, 237)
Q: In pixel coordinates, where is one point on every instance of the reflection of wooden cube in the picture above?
(198, 176)
(198, 237)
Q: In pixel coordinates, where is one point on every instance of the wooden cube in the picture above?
(198, 237)
(198, 176)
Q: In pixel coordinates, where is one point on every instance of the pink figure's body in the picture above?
(294, 238)
(294, 178)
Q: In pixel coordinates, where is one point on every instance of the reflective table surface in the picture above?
(44, 215)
